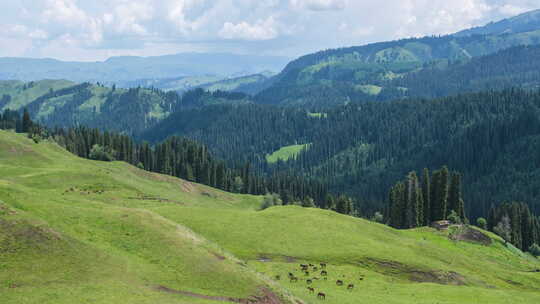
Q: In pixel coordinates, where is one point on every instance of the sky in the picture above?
(94, 30)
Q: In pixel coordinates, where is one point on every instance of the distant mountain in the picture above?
(63, 103)
(121, 70)
(339, 76)
(526, 22)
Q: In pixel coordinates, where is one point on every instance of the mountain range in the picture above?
(124, 71)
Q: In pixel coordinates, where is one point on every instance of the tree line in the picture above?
(418, 202)
(183, 158)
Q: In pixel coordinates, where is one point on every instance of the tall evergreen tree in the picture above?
(426, 195)
(455, 201)
(412, 201)
(26, 122)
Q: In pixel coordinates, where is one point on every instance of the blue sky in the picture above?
(89, 30)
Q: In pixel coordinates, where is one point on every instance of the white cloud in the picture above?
(261, 30)
(90, 30)
(319, 5)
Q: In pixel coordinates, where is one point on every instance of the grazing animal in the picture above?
(304, 267)
(309, 281)
(324, 273)
(321, 296)
(339, 283)
(294, 279)
(361, 279)
(311, 289)
(307, 273)
(291, 275)
(350, 287)
(315, 268)
(323, 265)
(311, 265)
(278, 277)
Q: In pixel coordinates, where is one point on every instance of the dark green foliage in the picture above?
(426, 195)
(482, 223)
(407, 207)
(189, 160)
(271, 200)
(504, 229)
(455, 202)
(515, 223)
(100, 153)
(454, 218)
(430, 67)
(439, 194)
(26, 122)
(535, 250)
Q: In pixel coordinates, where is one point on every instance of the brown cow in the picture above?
(309, 281)
(350, 287)
(324, 273)
(323, 265)
(321, 296)
(311, 289)
(339, 283)
(294, 279)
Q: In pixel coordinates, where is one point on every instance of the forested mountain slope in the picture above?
(62, 103)
(337, 76)
(78, 230)
(526, 22)
(364, 148)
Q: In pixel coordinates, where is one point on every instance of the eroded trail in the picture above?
(266, 297)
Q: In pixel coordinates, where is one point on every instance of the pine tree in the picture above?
(455, 202)
(412, 203)
(439, 194)
(426, 195)
(26, 122)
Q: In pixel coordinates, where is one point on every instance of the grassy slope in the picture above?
(75, 247)
(22, 96)
(285, 153)
(67, 247)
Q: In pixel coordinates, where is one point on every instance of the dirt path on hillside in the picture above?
(266, 297)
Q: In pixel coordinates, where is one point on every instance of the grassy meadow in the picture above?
(286, 153)
(80, 231)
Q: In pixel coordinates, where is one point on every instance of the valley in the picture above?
(103, 231)
(174, 153)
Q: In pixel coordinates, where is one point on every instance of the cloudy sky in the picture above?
(90, 30)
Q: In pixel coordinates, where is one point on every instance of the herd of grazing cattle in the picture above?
(310, 271)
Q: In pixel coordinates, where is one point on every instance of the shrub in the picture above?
(535, 250)
(378, 217)
(454, 217)
(271, 200)
(100, 153)
(482, 223)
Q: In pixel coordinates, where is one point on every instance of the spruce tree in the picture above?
(26, 122)
(426, 195)
(412, 201)
(455, 203)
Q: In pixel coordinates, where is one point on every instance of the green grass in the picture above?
(286, 153)
(317, 115)
(22, 96)
(369, 89)
(62, 241)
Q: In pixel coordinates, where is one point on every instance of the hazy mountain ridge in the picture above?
(353, 67)
(126, 68)
(525, 22)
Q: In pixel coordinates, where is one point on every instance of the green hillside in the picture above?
(285, 153)
(337, 76)
(80, 231)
